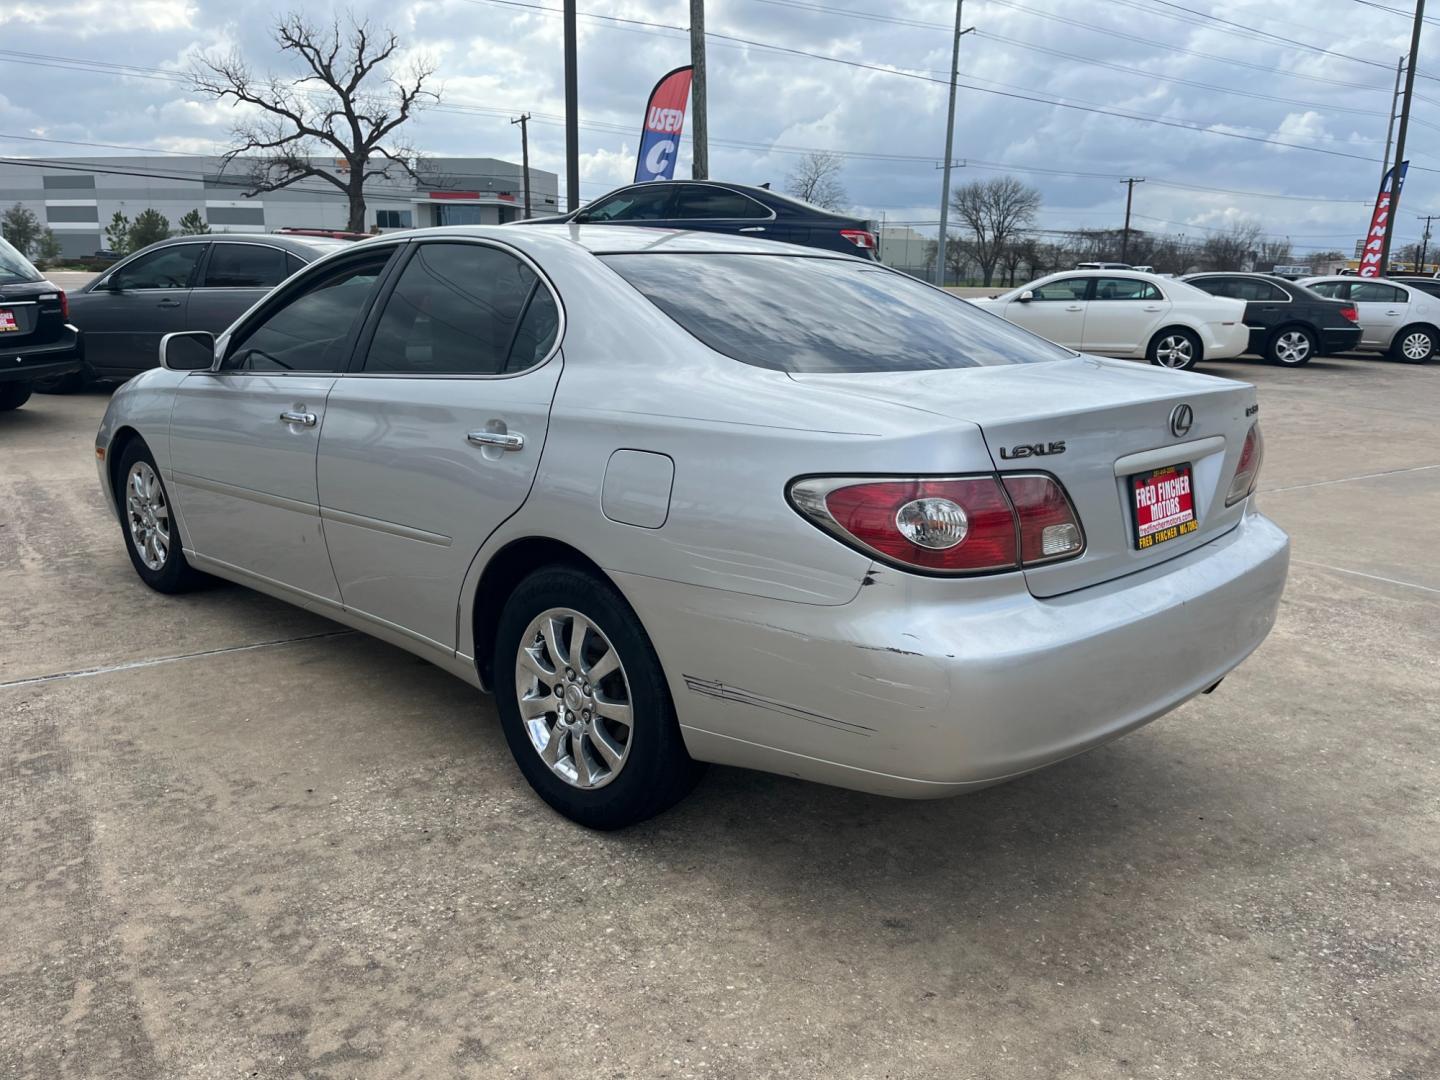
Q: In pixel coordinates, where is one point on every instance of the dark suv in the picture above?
(1289, 324)
(36, 338)
(712, 206)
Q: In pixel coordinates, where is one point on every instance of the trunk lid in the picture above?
(29, 313)
(1114, 421)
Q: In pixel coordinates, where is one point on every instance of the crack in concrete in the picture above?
(1348, 479)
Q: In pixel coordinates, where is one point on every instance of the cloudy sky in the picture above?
(1258, 98)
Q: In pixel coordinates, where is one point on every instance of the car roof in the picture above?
(310, 246)
(766, 196)
(609, 240)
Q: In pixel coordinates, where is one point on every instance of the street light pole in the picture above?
(949, 147)
(1129, 197)
(700, 143)
(1400, 136)
(572, 113)
(1424, 241)
(524, 123)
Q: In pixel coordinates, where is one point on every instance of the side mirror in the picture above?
(1026, 296)
(189, 350)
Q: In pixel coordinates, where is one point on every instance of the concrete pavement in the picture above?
(238, 841)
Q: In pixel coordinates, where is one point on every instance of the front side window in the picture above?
(698, 201)
(1330, 289)
(310, 331)
(812, 315)
(1372, 292)
(464, 309)
(644, 203)
(1071, 289)
(1125, 289)
(14, 267)
(245, 266)
(168, 268)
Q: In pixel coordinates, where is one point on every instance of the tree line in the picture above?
(35, 240)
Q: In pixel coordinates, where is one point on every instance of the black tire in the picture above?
(13, 395)
(71, 382)
(173, 574)
(1414, 345)
(1291, 346)
(1176, 348)
(656, 771)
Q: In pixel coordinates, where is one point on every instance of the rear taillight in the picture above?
(1247, 472)
(1351, 312)
(863, 240)
(966, 525)
(64, 307)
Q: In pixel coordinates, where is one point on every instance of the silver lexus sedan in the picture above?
(679, 498)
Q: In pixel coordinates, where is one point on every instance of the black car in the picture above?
(1289, 323)
(184, 283)
(1424, 284)
(36, 338)
(711, 206)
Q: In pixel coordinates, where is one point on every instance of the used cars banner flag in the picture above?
(1375, 238)
(664, 119)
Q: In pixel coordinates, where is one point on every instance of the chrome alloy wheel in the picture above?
(148, 515)
(1175, 351)
(574, 698)
(1292, 347)
(1417, 346)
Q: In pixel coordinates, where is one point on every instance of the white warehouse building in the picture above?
(77, 197)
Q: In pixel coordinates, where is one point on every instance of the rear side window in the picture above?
(245, 266)
(696, 201)
(14, 267)
(1372, 292)
(798, 314)
(464, 309)
(1125, 289)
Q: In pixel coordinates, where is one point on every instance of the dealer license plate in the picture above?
(1164, 505)
(7, 321)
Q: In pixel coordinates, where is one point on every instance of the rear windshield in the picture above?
(809, 315)
(14, 267)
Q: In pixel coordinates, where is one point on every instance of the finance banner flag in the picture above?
(1390, 188)
(664, 119)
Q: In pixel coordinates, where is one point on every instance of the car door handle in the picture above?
(167, 302)
(753, 228)
(1153, 307)
(1074, 307)
(1392, 313)
(305, 418)
(505, 441)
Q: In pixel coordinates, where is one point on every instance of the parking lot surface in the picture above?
(237, 840)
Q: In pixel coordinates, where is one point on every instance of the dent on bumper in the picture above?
(931, 697)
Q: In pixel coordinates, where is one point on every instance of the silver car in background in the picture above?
(1395, 318)
(677, 498)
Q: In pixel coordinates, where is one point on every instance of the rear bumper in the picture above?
(1335, 340)
(903, 692)
(25, 363)
(1225, 342)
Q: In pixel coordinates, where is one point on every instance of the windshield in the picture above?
(14, 267)
(809, 315)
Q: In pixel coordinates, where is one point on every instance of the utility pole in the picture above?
(700, 143)
(1129, 198)
(1424, 241)
(1400, 136)
(1390, 128)
(572, 113)
(524, 123)
(949, 147)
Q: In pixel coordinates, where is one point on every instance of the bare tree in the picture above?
(816, 179)
(348, 106)
(1274, 253)
(1233, 249)
(996, 211)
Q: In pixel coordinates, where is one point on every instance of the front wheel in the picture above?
(584, 703)
(1414, 345)
(13, 395)
(151, 535)
(1291, 347)
(1175, 348)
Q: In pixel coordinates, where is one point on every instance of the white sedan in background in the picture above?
(1399, 319)
(1127, 313)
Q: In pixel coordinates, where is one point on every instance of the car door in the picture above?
(432, 440)
(1383, 310)
(125, 313)
(716, 209)
(234, 276)
(1055, 310)
(243, 437)
(1122, 313)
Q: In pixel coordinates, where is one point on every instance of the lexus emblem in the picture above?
(1181, 419)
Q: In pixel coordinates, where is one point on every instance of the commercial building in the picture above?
(905, 249)
(77, 197)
